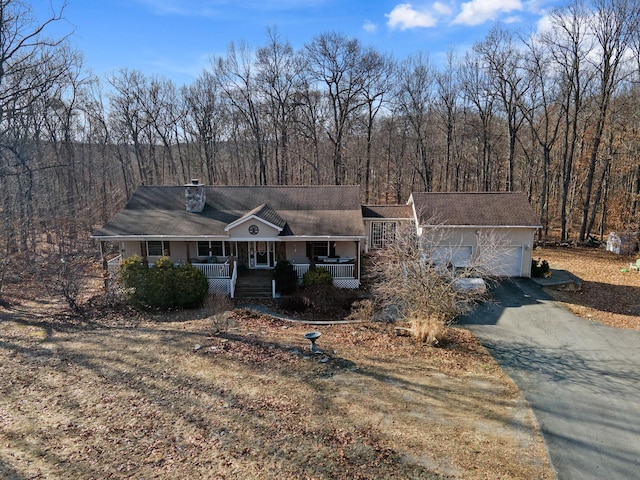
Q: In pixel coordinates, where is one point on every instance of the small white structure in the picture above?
(623, 243)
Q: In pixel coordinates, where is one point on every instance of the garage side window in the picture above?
(382, 234)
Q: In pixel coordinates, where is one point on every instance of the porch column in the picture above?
(143, 251)
(356, 267)
(105, 266)
(186, 244)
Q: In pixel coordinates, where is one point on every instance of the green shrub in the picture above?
(160, 284)
(540, 268)
(133, 277)
(317, 276)
(190, 286)
(285, 277)
(164, 285)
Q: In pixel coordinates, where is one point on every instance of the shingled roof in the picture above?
(503, 209)
(387, 211)
(266, 213)
(300, 211)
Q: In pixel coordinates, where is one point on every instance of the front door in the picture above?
(264, 254)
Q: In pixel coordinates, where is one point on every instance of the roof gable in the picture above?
(263, 213)
(502, 209)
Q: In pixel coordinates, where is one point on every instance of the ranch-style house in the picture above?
(231, 232)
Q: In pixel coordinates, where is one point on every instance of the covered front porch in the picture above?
(222, 261)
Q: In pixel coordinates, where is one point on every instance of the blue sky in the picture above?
(177, 38)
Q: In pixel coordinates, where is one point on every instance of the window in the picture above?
(321, 249)
(207, 249)
(157, 248)
(382, 233)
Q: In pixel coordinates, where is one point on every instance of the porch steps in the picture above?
(254, 284)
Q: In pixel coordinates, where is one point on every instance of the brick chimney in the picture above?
(194, 196)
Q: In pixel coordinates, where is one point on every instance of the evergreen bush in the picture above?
(133, 277)
(285, 277)
(317, 276)
(540, 268)
(160, 284)
(164, 285)
(190, 286)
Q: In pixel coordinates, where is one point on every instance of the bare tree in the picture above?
(204, 122)
(479, 98)
(310, 120)
(280, 76)
(542, 117)
(129, 123)
(238, 84)
(613, 24)
(31, 63)
(414, 98)
(376, 90)
(503, 60)
(417, 277)
(336, 62)
(569, 45)
(447, 100)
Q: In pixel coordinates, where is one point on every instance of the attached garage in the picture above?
(465, 223)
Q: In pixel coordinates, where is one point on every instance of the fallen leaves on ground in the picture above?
(123, 394)
(610, 293)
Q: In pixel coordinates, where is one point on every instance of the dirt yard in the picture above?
(610, 293)
(120, 394)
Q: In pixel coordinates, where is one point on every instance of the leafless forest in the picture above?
(555, 113)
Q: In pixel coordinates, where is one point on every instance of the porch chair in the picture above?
(635, 266)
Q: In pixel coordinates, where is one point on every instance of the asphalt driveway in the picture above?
(581, 378)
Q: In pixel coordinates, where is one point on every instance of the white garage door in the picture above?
(508, 262)
(458, 256)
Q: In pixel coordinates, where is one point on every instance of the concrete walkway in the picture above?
(581, 378)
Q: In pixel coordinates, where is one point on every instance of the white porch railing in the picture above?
(301, 269)
(224, 285)
(234, 278)
(213, 270)
(343, 274)
(220, 279)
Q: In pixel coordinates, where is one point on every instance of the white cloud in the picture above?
(442, 9)
(513, 19)
(370, 27)
(404, 16)
(476, 12)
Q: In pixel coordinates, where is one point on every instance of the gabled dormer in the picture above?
(262, 221)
